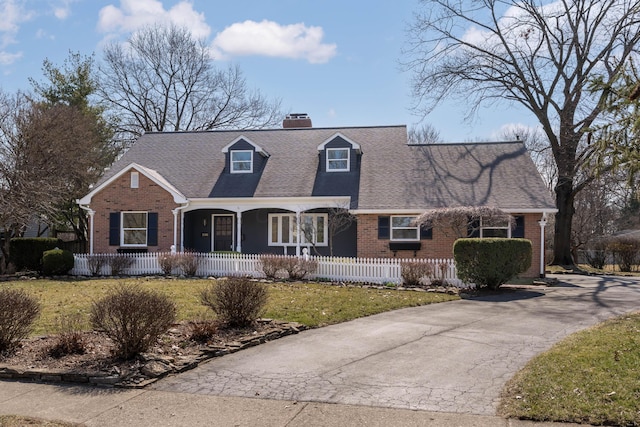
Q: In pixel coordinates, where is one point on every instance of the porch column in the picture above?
(239, 232)
(175, 227)
(298, 226)
(543, 223)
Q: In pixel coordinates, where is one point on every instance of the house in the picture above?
(245, 190)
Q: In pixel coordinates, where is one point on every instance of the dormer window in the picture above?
(241, 161)
(338, 159)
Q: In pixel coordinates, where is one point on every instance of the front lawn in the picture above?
(311, 304)
(591, 377)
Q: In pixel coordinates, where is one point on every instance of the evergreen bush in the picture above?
(26, 252)
(57, 262)
(491, 262)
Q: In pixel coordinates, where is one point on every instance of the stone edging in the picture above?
(154, 366)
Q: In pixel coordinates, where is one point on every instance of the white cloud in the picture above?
(268, 38)
(132, 15)
(13, 14)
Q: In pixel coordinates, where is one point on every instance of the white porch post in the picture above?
(91, 214)
(298, 225)
(543, 223)
(175, 227)
(239, 232)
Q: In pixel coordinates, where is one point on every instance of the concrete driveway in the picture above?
(449, 357)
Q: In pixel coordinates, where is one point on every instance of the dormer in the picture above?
(240, 156)
(339, 154)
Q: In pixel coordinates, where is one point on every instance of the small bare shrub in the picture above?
(167, 263)
(133, 318)
(271, 265)
(96, 262)
(202, 331)
(189, 263)
(298, 268)
(413, 272)
(237, 301)
(70, 338)
(119, 263)
(18, 311)
(596, 256)
(625, 252)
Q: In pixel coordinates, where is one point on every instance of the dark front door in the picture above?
(223, 233)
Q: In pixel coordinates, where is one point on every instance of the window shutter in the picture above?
(518, 231)
(114, 229)
(426, 232)
(152, 229)
(384, 227)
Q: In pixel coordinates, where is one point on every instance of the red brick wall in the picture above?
(119, 196)
(440, 246)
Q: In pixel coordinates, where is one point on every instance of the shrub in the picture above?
(596, 256)
(412, 272)
(271, 265)
(189, 263)
(70, 339)
(625, 252)
(202, 331)
(491, 262)
(119, 263)
(133, 318)
(298, 268)
(26, 252)
(57, 262)
(18, 311)
(95, 263)
(167, 263)
(237, 301)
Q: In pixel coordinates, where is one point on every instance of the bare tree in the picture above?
(539, 56)
(463, 221)
(426, 134)
(339, 219)
(163, 79)
(46, 153)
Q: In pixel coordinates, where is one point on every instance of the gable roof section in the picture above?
(354, 144)
(149, 173)
(394, 176)
(255, 146)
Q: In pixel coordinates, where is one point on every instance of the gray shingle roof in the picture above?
(393, 175)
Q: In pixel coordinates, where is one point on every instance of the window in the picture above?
(337, 159)
(134, 229)
(283, 230)
(494, 228)
(402, 229)
(241, 161)
(135, 179)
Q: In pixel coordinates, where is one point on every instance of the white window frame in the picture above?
(123, 229)
(330, 161)
(233, 163)
(393, 228)
(293, 231)
(484, 227)
(135, 179)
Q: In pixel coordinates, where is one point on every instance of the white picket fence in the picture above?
(362, 270)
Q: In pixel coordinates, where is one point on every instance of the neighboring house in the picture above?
(246, 190)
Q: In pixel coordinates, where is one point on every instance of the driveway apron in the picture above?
(449, 357)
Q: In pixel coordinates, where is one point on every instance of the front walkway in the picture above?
(448, 357)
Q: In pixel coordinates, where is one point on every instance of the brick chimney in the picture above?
(296, 120)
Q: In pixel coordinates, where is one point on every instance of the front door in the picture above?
(222, 233)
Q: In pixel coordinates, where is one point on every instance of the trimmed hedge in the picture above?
(491, 262)
(26, 252)
(57, 262)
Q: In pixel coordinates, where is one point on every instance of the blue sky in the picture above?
(336, 60)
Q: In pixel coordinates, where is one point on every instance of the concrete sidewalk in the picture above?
(438, 365)
(141, 408)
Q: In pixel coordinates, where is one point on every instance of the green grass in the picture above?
(591, 377)
(311, 304)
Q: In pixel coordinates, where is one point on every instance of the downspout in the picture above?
(91, 213)
(178, 211)
(543, 223)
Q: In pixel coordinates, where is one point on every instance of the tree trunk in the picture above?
(564, 218)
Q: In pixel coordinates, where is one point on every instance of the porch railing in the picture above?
(367, 270)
